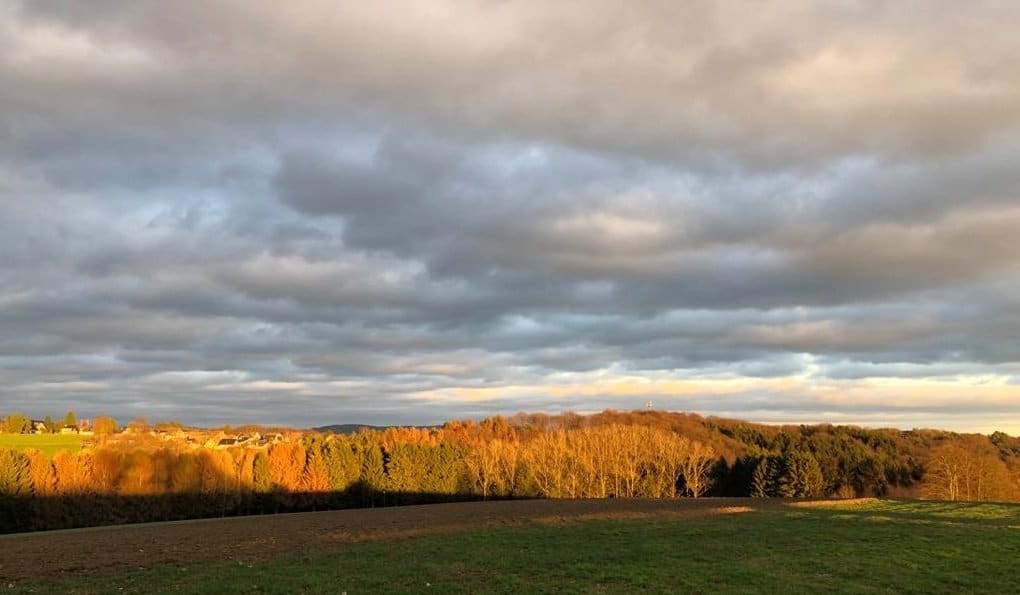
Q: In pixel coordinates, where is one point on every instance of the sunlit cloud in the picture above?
(297, 214)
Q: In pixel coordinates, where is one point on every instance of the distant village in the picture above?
(106, 429)
(219, 440)
(83, 428)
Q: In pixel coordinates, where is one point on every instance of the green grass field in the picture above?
(877, 547)
(49, 444)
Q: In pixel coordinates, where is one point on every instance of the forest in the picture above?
(135, 476)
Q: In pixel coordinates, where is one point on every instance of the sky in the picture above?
(311, 212)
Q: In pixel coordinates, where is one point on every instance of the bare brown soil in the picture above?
(250, 539)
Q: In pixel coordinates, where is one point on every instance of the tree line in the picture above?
(612, 454)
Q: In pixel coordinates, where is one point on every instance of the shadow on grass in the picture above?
(40, 513)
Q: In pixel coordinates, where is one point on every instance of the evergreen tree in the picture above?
(342, 465)
(373, 472)
(784, 483)
(44, 480)
(15, 475)
(315, 477)
(262, 477)
(802, 476)
(760, 480)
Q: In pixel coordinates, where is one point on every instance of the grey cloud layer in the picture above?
(340, 212)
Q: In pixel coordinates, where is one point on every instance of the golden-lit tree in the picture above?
(544, 456)
(695, 467)
(315, 477)
(508, 465)
(162, 461)
(104, 426)
(960, 471)
(139, 425)
(287, 465)
(138, 475)
(74, 472)
(244, 460)
(486, 467)
(44, 478)
(186, 474)
(106, 470)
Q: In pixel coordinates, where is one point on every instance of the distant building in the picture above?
(226, 442)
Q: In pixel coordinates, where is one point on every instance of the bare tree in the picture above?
(695, 468)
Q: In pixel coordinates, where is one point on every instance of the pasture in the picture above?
(726, 545)
(48, 444)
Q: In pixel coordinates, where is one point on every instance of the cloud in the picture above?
(226, 213)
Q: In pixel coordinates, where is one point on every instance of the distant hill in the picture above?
(355, 428)
(347, 428)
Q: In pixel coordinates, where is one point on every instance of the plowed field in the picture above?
(56, 553)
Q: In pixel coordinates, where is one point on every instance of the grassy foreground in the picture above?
(48, 444)
(879, 546)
